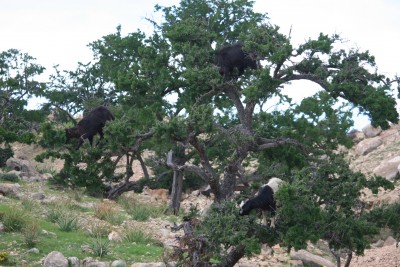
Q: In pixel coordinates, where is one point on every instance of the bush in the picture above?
(14, 220)
(67, 223)
(10, 177)
(137, 236)
(31, 234)
(100, 247)
(5, 154)
(106, 211)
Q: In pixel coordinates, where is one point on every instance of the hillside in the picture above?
(376, 152)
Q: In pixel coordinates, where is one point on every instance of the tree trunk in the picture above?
(348, 260)
(144, 167)
(120, 188)
(177, 183)
(233, 257)
(176, 192)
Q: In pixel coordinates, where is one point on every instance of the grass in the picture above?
(31, 223)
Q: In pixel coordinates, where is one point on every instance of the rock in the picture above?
(38, 196)
(114, 236)
(118, 263)
(33, 251)
(370, 131)
(149, 264)
(89, 262)
(310, 259)
(368, 145)
(388, 168)
(73, 262)
(23, 166)
(9, 189)
(356, 136)
(55, 259)
(378, 244)
(390, 241)
(1, 227)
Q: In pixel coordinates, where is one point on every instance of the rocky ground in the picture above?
(376, 152)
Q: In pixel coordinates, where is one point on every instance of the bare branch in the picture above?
(272, 143)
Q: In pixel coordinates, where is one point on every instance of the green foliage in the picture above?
(5, 154)
(225, 228)
(323, 202)
(137, 236)
(67, 223)
(9, 177)
(100, 247)
(31, 235)
(14, 220)
(18, 74)
(3, 256)
(387, 216)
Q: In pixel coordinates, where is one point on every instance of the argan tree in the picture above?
(168, 89)
(19, 82)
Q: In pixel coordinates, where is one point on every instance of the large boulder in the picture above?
(311, 259)
(368, 145)
(9, 189)
(370, 131)
(388, 168)
(24, 167)
(55, 259)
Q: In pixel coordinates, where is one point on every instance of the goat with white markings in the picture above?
(264, 200)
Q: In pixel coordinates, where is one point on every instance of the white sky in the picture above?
(58, 31)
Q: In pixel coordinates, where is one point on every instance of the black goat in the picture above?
(89, 126)
(264, 200)
(233, 56)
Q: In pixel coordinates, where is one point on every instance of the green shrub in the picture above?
(31, 234)
(5, 154)
(67, 223)
(54, 213)
(132, 235)
(14, 220)
(10, 177)
(3, 256)
(106, 211)
(98, 230)
(100, 247)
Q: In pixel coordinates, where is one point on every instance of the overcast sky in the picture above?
(58, 31)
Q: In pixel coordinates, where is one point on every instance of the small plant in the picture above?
(14, 220)
(27, 204)
(137, 236)
(3, 256)
(10, 177)
(106, 211)
(54, 213)
(100, 247)
(141, 211)
(67, 223)
(31, 234)
(98, 230)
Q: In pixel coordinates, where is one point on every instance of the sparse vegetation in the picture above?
(100, 247)
(9, 177)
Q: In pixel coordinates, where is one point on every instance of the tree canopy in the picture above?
(168, 97)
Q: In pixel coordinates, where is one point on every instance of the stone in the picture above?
(390, 241)
(23, 166)
(310, 259)
(9, 189)
(118, 263)
(55, 259)
(366, 146)
(370, 131)
(388, 168)
(73, 262)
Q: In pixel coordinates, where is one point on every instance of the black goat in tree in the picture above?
(264, 200)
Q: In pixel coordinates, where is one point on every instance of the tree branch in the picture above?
(272, 143)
